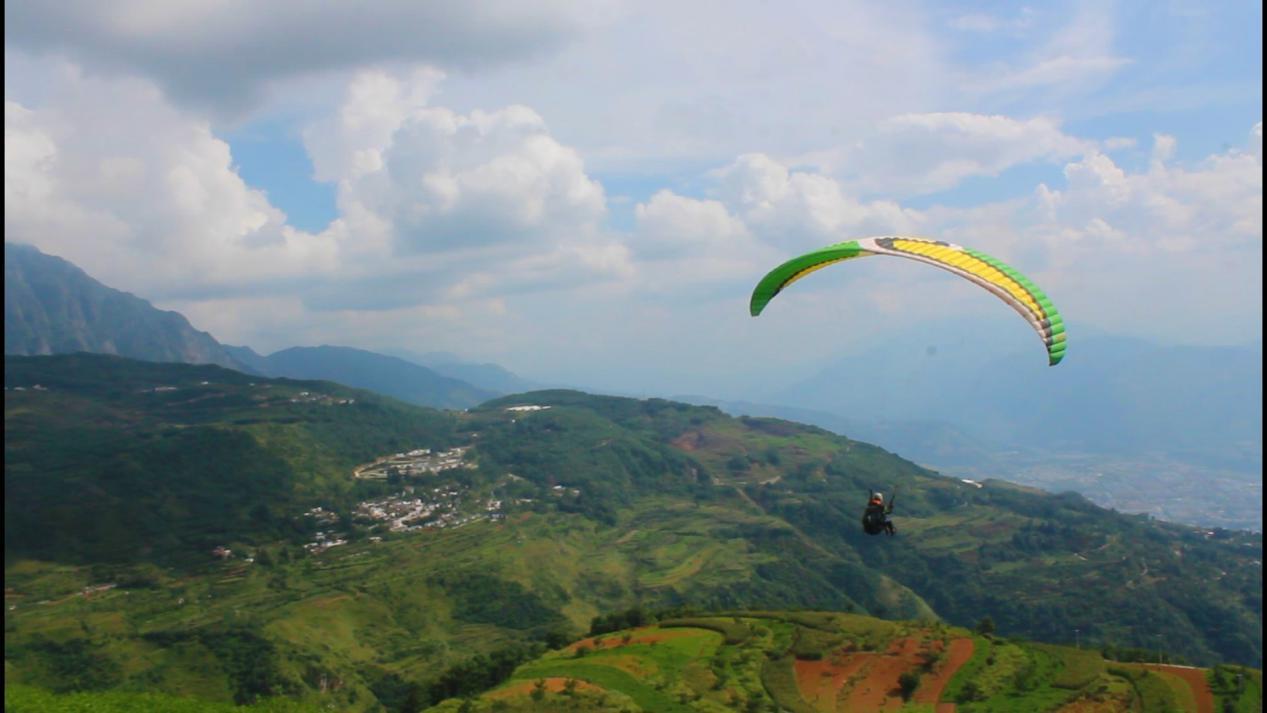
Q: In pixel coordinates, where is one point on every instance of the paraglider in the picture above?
(1005, 282)
(875, 519)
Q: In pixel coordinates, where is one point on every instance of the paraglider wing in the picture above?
(1009, 285)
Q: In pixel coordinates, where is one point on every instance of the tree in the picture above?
(985, 627)
(908, 682)
(971, 691)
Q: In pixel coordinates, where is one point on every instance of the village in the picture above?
(410, 510)
(421, 461)
(417, 508)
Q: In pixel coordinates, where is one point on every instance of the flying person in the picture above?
(876, 517)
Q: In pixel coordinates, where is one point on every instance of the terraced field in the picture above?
(824, 662)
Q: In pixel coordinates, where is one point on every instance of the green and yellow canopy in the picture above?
(1009, 285)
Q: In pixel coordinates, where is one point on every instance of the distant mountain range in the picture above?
(487, 376)
(934, 395)
(927, 442)
(53, 307)
(1112, 395)
(387, 375)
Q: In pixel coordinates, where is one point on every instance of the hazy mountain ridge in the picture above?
(925, 442)
(53, 307)
(1112, 395)
(363, 369)
(486, 375)
(1165, 487)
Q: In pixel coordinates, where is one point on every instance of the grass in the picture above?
(27, 699)
(778, 676)
(615, 679)
(1079, 667)
(1239, 689)
(1151, 691)
(733, 630)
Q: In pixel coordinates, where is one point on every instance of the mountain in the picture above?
(823, 662)
(386, 375)
(1165, 487)
(249, 358)
(486, 376)
(799, 661)
(197, 531)
(925, 442)
(1111, 395)
(53, 307)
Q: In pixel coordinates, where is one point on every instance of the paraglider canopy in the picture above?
(1005, 282)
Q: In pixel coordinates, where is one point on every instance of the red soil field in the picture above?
(821, 681)
(640, 636)
(1196, 680)
(553, 685)
(868, 681)
(934, 683)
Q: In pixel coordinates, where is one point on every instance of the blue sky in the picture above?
(592, 189)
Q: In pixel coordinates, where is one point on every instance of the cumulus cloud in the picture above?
(488, 198)
(434, 205)
(1172, 251)
(445, 180)
(671, 226)
(110, 175)
(912, 154)
(707, 87)
(1214, 205)
(796, 208)
(222, 55)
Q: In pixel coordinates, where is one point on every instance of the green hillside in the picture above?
(509, 535)
(822, 662)
(797, 661)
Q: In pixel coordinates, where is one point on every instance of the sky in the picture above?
(586, 193)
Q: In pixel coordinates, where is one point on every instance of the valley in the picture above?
(255, 563)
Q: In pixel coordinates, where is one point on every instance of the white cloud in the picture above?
(1078, 56)
(984, 23)
(434, 205)
(802, 209)
(1056, 72)
(108, 175)
(1171, 252)
(458, 205)
(708, 85)
(1117, 143)
(444, 180)
(912, 154)
(223, 55)
(670, 226)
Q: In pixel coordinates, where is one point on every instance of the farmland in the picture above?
(822, 662)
